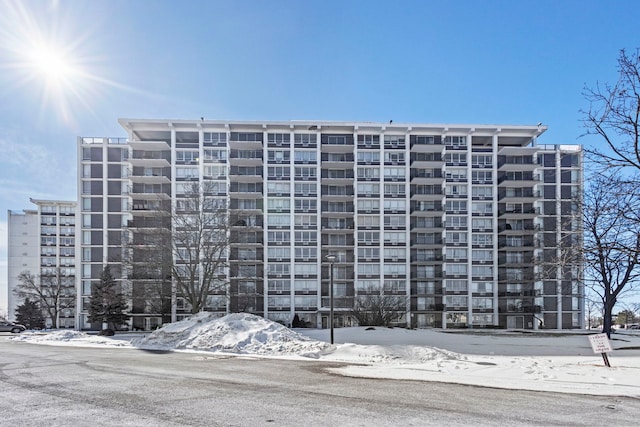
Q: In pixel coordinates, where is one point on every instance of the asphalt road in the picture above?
(71, 386)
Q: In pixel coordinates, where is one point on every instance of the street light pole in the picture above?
(331, 259)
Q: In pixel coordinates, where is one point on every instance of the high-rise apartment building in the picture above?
(472, 225)
(42, 242)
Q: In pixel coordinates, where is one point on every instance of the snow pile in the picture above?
(66, 337)
(395, 354)
(239, 333)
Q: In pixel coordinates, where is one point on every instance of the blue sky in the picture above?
(484, 62)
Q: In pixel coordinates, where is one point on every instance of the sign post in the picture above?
(600, 344)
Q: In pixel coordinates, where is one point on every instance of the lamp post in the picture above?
(331, 259)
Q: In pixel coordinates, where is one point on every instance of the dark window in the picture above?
(116, 154)
(569, 160)
(114, 254)
(114, 221)
(115, 171)
(96, 204)
(549, 208)
(96, 154)
(549, 223)
(96, 254)
(115, 237)
(96, 221)
(96, 171)
(549, 160)
(114, 188)
(549, 176)
(549, 192)
(96, 237)
(96, 187)
(549, 240)
(114, 204)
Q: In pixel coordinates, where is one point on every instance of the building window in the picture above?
(368, 188)
(368, 173)
(305, 156)
(395, 205)
(394, 237)
(394, 173)
(456, 269)
(369, 237)
(482, 160)
(309, 189)
(368, 205)
(457, 159)
(455, 141)
(482, 255)
(306, 205)
(369, 269)
(394, 190)
(279, 237)
(426, 287)
(279, 137)
(306, 253)
(306, 220)
(482, 303)
(482, 239)
(456, 254)
(456, 301)
(279, 268)
(305, 172)
(278, 172)
(215, 137)
(394, 221)
(306, 237)
(483, 192)
(456, 173)
(456, 206)
(482, 287)
(278, 253)
(368, 221)
(277, 204)
(279, 155)
(368, 253)
(305, 138)
(482, 271)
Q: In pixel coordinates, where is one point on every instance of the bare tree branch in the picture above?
(200, 243)
(53, 293)
(614, 115)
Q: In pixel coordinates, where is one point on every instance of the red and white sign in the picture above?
(600, 343)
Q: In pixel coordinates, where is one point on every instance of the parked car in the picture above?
(14, 328)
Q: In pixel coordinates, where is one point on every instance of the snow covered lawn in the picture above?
(543, 361)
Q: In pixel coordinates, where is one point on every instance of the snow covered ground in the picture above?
(543, 361)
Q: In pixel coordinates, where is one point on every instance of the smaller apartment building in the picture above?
(42, 242)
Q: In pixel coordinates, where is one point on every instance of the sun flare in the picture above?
(51, 63)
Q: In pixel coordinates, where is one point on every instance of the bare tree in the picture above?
(200, 243)
(614, 115)
(375, 308)
(148, 260)
(593, 310)
(559, 262)
(612, 240)
(53, 293)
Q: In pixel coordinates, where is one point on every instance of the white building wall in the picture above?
(23, 252)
